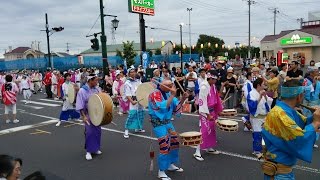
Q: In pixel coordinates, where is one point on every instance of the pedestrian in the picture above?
(210, 106)
(136, 113)
(92, 133)
(9, 92)
(68, 109)
(25, 89)
(272, 84)
(162, 105)
(288, 135)
(122, 99)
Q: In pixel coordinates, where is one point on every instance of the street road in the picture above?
(59, 151)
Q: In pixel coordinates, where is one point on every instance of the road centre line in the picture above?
(33, 107)
(50, 100)
(54, 120)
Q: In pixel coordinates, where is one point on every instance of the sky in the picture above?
(22, 21)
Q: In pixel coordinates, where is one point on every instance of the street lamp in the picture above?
(216, 45)
(115, 23)
(181, 24)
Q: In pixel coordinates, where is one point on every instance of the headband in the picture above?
(290, 92)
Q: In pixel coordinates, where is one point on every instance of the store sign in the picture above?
(296, 39)
(142, 7)
(285, 57)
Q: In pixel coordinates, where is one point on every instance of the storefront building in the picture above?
(302, 45)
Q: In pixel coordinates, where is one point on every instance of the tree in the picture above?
(128, 53)
(209, 50)
(158, 51)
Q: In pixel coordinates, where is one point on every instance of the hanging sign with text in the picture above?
(142, 7)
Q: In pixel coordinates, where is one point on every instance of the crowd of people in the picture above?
(266, 93)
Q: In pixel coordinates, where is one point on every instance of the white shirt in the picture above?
(130, 89)
(192, 63)
(24, 84)
(153, 66)
(191, 84)
(54, 79)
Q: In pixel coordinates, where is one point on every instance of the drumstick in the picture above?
(175, 78)
(312, 109)
(161, 84)
(226, 95)
(226, 99)
(114, 123)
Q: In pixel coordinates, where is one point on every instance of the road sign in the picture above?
(145, 59)
(142, 6)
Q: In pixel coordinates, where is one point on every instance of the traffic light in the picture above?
(57, 29)
(95, 44)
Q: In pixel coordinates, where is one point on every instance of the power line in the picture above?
(93, 24)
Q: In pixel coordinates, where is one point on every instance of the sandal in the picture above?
(164, 178)
(199, 158)
(176, 170)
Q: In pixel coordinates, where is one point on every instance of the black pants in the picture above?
(48, 91)
(274, 102)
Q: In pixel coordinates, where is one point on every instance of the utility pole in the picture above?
(181, 54)
(250, 2)
(68, 47)
(275, 12)
(190, 9)
(300, 20)
(48, 42)
(103, 39)
(142, 36)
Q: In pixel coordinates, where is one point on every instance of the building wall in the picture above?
(311, 51)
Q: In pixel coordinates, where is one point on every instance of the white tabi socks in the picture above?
(197, 154)
(163, 176)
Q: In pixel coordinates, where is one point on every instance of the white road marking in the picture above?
(21, 128)
(50, 100)
(33, 107)
(41, 103)
(54, 120)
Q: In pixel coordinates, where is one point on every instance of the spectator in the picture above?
(192, 63)
(207, 65)
(153, 65)
(10, 168)
(273, 85)
(228, 86)
(165, 75)
(191, 77)
(294, 72)
(237, 65)
(263, 70)
(221, 74)
(164, 65)
(179, 76)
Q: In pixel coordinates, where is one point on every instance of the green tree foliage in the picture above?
(127, 53)
(158, 51)
(209, 43)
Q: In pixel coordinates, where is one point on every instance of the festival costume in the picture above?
(164, 130)
(247, 87)
(92, 133)
(68, 109)
(209, 103)
(136, 112)
(123, 101)
(258, 111)
(25, 89)
(288, 136)
(54, 87)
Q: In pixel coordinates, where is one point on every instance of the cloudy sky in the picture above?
(22, 20)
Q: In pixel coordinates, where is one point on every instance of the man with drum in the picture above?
(210, 106)
(162, 104)
(92, 133)
(136, 112)
(68, 109)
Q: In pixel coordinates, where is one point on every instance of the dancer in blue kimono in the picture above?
(162, 104)
(288, 135)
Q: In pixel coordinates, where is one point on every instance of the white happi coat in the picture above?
(259, 117)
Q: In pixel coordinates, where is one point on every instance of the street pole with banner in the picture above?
(145, 7)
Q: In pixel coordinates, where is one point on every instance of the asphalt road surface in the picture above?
(59, 151)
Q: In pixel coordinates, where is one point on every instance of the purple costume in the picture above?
(92, 133)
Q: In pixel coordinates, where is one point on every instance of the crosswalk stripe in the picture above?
(41, 103)
(50, 100)
(33, 107)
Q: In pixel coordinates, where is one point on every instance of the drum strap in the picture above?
(272, 169)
